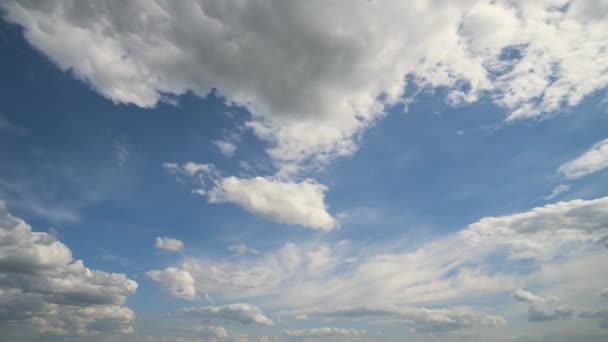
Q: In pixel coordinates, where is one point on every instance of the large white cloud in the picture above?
(242, 313)
(314, 74)
(41, 285)
(282, 201)
(593, 160)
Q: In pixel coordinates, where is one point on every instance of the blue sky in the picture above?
(284, 179)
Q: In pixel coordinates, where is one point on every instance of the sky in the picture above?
(224, 170)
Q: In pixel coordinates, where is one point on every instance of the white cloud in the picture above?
(525, 296)
(282, 201)
(41, 285)
(604, 292)
(558, 190)
(227, 148)
(178, 283)
(323, 332)
(286, 202)
(314, 80)
(481, 260)
(242, 313)
(593, 160)
(169, 244)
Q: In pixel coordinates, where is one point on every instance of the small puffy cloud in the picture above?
(558, 190)
(283, 201)
(227, 148)
(604, 293)
(242, 313)
(178, 283)
(324, 332)
(168, 244)
(301, 203)
(419, 319)
(525, 296)
(593, 160)
(41, 285)
(541, 314)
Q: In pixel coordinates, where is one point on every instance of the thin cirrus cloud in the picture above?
(477, 261)
(420, 319)
(44, 287)
(593, 160)
(282, 201)
(351, 61)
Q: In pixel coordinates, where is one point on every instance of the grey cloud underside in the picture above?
(315, 74)
(41, 285)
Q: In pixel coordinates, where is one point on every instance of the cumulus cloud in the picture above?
(242, 313)
(282, 201)
(525, 296)
(420, 319)
(168, 244)
(288, 202)
(593, 160)
(41, 285)
(324, 332)
(314, 80)
(178, 283)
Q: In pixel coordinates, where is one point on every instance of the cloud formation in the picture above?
(525, 296)
(482, 259)
(593, 160)
(283, 201)
(178, 283)
(168, 244)
(350, 61)
(540, 314)
(41, 285)
(324, 332)
(246, 314)
(420, 319)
